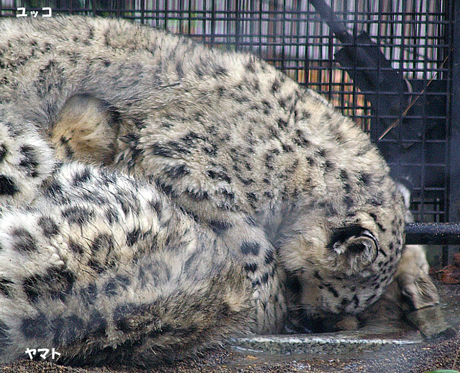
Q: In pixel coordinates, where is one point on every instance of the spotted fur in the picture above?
(237, 169)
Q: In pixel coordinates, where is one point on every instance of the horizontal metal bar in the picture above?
(433, 233)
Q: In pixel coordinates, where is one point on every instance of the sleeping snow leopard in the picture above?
(216, 190)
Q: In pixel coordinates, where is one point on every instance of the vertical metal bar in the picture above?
(330, 57)
(262, 27)
(166, 14)
(237, 23)
(306, 45)
(189, 20)
(213, 23)
(454, 202)
(297, 38)
(282, 20)
(142, 9)
(454, 138)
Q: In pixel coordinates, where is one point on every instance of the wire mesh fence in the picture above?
(411, 39)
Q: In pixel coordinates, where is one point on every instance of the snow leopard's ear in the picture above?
(86, 130)
(353, 247)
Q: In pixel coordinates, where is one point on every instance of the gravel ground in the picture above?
(434, 355)
(441, 352)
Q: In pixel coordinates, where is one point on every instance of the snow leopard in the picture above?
(158, 194)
